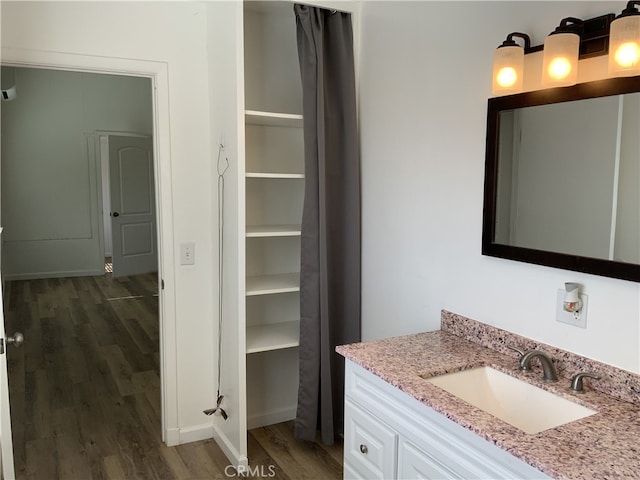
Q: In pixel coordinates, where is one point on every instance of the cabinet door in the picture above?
(369, 445)
(414, 464)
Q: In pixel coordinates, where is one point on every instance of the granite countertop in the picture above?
(605, 445)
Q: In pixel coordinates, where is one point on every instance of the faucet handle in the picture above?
(515, 349)
(576, 381)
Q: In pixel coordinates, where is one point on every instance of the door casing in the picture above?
(7, 467)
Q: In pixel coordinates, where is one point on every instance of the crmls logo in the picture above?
(258, 471)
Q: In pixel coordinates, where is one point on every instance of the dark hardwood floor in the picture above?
(85, 392)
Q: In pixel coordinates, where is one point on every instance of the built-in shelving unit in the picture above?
(262, 231)
(253, 45)
(273, 284)
(263, 338)
(274, 188)
(273, 119)
(274, 175)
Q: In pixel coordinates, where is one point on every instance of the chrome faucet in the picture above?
(548, 370)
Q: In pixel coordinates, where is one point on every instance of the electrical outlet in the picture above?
(187, 253)
(577, 319)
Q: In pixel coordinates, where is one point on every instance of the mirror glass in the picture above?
(562, 183)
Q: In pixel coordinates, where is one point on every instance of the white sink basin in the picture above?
(525, 406)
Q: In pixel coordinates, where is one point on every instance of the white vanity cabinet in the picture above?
(389, 435)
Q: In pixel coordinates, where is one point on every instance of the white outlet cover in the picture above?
(563, 316)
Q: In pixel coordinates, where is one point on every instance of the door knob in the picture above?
(17, 339)
(115, 214)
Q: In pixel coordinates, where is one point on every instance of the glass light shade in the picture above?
(508, 66)
(560, 60)
(624, 46)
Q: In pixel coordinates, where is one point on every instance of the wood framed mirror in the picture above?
(562, 178)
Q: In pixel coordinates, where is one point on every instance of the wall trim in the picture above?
(60, 274)
(172, 437)
(195, 433)
(205, 431)
(239, 461)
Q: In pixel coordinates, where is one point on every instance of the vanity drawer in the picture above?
(414, 464)
(370, 447)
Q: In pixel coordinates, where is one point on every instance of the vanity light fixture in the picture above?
(508, 64)
(624, 42)
(560, 54)
(572, 40)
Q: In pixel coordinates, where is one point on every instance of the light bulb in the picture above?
(559, 68)
(507, 77)
(627, 54)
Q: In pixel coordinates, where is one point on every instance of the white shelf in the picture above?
(271, 284)
(273, 119)
(273, 175)
(254, 231)
(274, 336)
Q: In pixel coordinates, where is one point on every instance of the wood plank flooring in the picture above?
(85, 392)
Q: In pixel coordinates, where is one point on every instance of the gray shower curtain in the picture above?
(330, 260)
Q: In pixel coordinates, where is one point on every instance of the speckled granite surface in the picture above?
(603, 446)
(613, 381)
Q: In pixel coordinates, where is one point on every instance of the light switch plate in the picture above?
(187, 253)
(577, 320)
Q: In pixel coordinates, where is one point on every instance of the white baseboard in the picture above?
(66, 274)
(274, 416)
(239, 461)
(195, 433)
(172, 437)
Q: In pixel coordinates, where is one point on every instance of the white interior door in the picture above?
(6, 441)
(133, 213)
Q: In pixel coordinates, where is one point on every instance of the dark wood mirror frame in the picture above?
(600, 88)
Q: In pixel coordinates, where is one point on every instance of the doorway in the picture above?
(157, 72)
(92, 341)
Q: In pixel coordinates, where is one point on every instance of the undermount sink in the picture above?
(525, 406)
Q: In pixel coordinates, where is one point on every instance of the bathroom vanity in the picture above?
(400, 425)
(389, 434)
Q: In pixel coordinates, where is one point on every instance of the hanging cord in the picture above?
(221, 172)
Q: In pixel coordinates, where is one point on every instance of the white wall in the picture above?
(425, 76)
(50, 166)
(173, 33)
